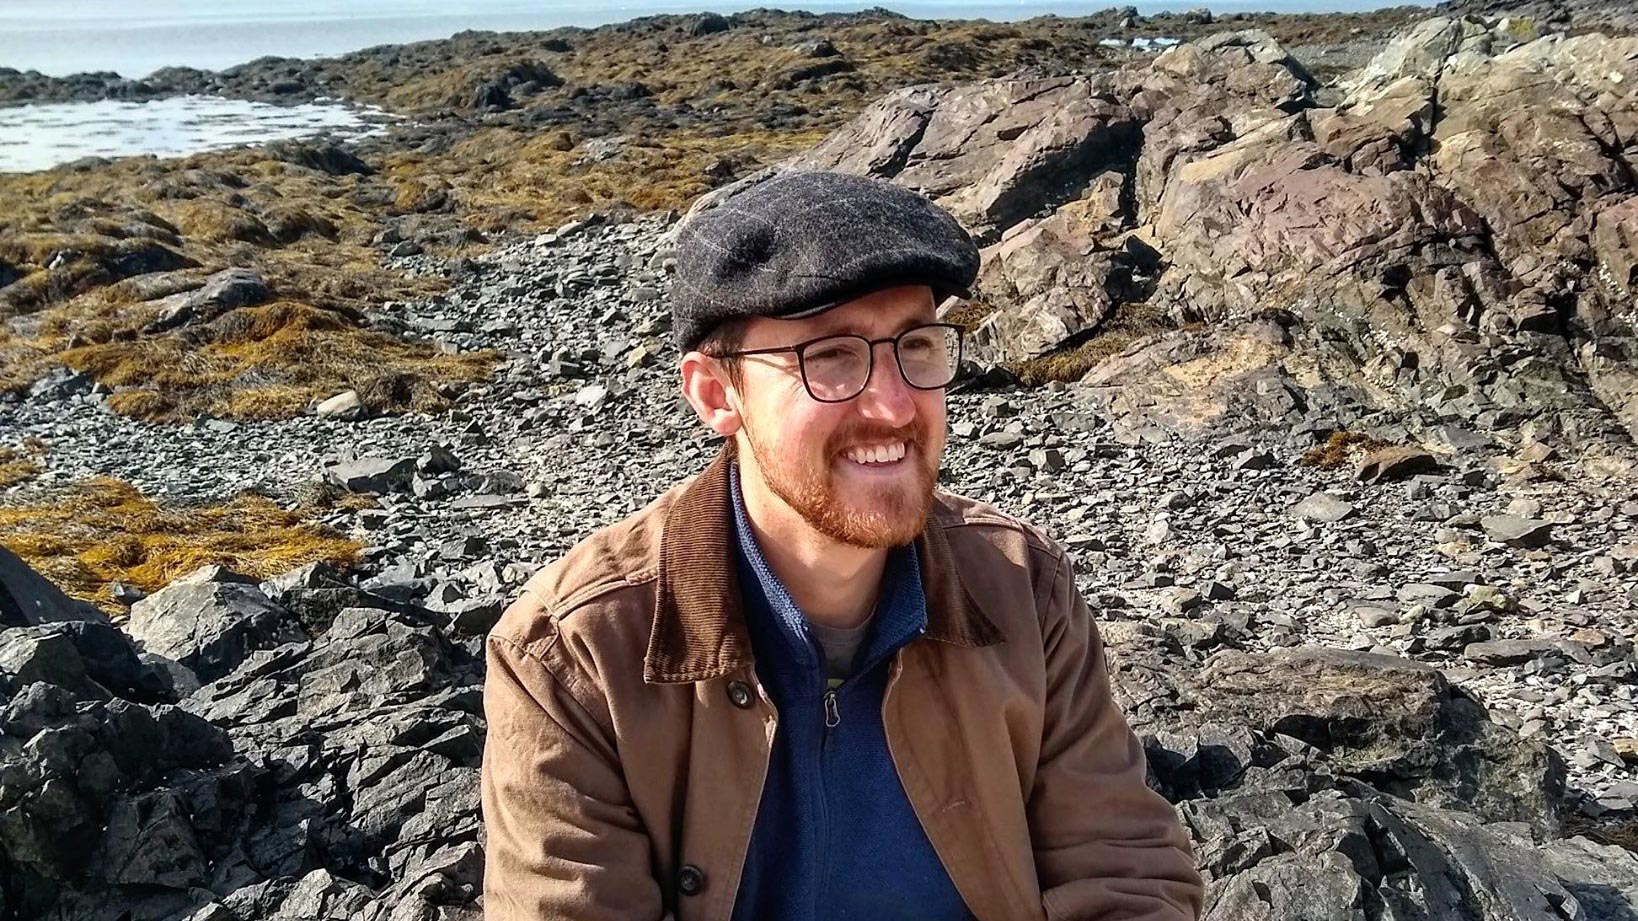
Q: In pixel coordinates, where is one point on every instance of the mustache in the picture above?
(913, 434)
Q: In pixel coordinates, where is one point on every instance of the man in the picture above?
(806, 684)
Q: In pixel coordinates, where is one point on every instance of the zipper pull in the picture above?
(833, 712)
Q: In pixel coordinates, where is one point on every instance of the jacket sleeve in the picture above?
(1107, 848)
(563, 840)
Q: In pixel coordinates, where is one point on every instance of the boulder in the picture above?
(1396, 463)
(326, 157)
(709, 24)
(346, 406)
(27, 598)
(209, 627)
(221, 292)
(1396, 724)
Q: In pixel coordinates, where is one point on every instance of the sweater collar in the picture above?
(901, 607)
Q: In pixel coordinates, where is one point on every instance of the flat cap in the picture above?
(803, 242)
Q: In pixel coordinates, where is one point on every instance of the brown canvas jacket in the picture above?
(628, 736)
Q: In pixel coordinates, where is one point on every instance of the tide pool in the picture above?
(36, 137)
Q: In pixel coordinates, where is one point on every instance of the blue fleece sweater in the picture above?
(835, 837)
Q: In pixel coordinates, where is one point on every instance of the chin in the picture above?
(878, 515)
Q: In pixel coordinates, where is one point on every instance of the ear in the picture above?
(706, 386)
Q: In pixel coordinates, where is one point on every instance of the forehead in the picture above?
(880, 313)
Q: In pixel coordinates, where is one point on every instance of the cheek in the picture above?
(793, 424)
(930, 407)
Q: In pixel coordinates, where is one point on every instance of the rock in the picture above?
(1322, 506)
(1046, 460)
(816, 48)
(212, 572)
(1396, 463)
(1517, 532)
(346, 406)
(325, 157)
(210, 627)
(709, 24)
(376, 475)
(1431, 594)
(1209, 120)
(27, 599)
(46, 655)
(1374, 616)
(1001, 440)
(1254, 460)
(1626, 748)
(221, 292)
(109, 809)
(1384, 716)
(61, 384)
(474, 616)
(125, 594)
(1455, 638)
(1182, 600)
(1509, 652)
(591, 397)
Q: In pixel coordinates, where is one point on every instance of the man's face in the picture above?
(861, 472)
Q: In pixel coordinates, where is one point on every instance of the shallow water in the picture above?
(35, 137)
(1140, 43)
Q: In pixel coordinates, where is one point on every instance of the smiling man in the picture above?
(807, 683)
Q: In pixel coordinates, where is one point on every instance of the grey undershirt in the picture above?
(841, 646)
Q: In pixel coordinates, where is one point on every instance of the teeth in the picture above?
(876, 454)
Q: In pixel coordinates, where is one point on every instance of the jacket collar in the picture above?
(700, 631)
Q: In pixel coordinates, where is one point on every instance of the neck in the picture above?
(834, 584)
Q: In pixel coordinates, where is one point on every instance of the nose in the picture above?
(887, 398)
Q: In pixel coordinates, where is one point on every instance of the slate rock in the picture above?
(210, 627)
(1324, 507)
(27, 598)
(376, 475)
(1396, 463)
(1516, 531)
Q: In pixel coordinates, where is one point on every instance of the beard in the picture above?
(879, 515)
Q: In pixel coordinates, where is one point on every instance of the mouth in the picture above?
(885, 455)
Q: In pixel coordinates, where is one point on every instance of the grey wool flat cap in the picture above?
(800, 243)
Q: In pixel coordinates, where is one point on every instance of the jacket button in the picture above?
(740, 693)
(690, 880)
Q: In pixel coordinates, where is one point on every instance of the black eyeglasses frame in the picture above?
(870, 367)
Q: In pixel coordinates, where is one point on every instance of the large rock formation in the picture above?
(327, 778)
(337, 777)
(1453, 230)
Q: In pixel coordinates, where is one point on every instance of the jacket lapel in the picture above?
(699, 618)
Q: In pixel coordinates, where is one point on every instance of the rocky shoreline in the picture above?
(1356, 508)
(292, 80)
(1218, 551)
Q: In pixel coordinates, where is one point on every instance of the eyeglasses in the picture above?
(836, 369)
